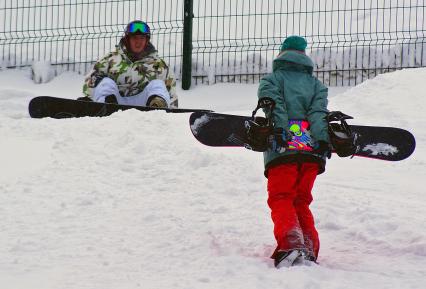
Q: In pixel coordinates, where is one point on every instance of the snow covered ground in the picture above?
(134, 201)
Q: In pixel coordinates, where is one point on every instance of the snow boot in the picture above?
(111, 99)
(156, 101)
(287, 258)
(305, 258)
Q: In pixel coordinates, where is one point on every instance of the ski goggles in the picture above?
(138, 26)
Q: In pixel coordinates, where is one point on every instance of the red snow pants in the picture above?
(289, 197)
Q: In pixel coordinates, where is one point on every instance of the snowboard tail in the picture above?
(54, 107)
(223, 130)
(385, 143)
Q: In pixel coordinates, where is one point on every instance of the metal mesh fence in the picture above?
(233, 40)
(349, 40)
(72, 34)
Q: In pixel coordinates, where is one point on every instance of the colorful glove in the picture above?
(278, 140)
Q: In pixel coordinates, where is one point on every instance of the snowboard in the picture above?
(54, 107)
(223, 130)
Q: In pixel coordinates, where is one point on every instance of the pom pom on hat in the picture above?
(294, 43)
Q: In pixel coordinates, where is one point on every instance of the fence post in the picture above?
(187, 45)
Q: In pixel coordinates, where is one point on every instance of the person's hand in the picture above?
(96, 79)
(324, 148)
(278, 140)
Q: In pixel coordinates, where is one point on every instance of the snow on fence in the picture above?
(232, 41)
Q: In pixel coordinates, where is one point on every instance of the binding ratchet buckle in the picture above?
(258, 129)
(342, 138)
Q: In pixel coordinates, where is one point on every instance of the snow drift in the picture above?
(134, 201)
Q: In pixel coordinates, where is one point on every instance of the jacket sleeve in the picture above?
(317, 113)
(171, 87)
(269, 87)
(99, 71)
(164, 73)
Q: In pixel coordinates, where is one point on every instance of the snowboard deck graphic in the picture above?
(54, 107)
(223, 130)
(302, 139)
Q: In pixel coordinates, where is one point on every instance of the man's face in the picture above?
(137, 43)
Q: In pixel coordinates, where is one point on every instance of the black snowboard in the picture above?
(223, 130)
(48, 106)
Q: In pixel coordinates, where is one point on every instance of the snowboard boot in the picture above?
(287, 259)
(309, 257)
(305, 258)
(111, 99)
(84, 98)
(156, 101)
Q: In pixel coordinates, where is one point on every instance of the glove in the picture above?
(324, 148)
(278, 140)
(96, 79)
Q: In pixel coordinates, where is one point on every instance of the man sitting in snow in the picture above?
(133, 74)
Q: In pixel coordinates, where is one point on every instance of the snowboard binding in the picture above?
(341, 136)
(258, 129)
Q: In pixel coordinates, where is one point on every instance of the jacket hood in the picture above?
(293, 59)
(150, 49)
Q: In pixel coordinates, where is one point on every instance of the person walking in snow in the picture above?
(133, 74)
(298, 95)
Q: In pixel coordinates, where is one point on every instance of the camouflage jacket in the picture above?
(131, 76)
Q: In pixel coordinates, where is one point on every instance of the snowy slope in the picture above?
(134, 201)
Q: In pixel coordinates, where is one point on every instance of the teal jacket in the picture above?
(298, 95)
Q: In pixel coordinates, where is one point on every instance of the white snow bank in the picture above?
(134, 201)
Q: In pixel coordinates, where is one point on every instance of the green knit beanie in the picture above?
(294, 43)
